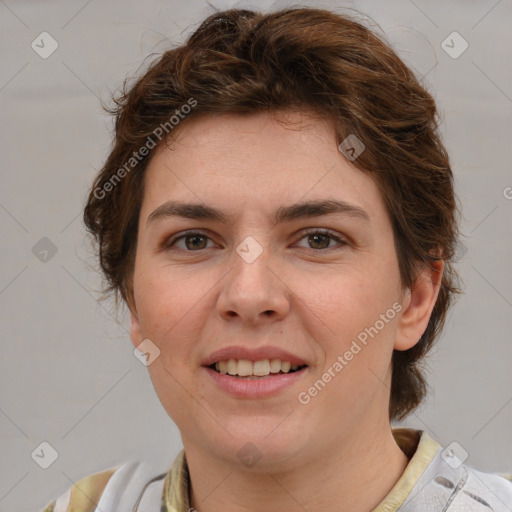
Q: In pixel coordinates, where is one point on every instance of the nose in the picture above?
(253, 291)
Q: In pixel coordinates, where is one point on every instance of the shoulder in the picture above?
(84, 494)
(107, 489)
(456, 486)
(494, 490)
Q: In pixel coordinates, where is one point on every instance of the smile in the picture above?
(248, 384)
(253, 370)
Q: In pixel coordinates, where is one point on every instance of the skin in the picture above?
(337, 452)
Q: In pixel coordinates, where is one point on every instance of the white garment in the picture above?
(442, 488)
(127, 485)
(136, 486)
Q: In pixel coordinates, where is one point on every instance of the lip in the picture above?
(253, 354)
(255, 388)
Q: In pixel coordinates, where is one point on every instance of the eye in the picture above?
(320, 239)
(193, 241)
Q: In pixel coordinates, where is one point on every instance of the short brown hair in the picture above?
(308, 59)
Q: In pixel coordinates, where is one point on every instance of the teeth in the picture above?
(260, 368)
(246, 368)
(275, 365)
(232, 367)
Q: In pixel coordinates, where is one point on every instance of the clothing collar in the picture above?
(417, 445)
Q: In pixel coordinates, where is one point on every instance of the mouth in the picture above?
(255, 373)
(254, 370)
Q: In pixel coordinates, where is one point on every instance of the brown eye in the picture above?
(196, 241)
(193, 241)
(320, 240)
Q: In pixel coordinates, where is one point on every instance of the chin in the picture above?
(260, 444)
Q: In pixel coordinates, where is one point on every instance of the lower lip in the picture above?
(255, 388)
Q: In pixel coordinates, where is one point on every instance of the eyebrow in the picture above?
(284, 213)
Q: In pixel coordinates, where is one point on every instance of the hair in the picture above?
(305, 59)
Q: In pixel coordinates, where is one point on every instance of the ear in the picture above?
(418, 304)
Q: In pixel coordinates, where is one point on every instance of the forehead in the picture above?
(237, 161)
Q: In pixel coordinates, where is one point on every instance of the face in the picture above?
(266, 279)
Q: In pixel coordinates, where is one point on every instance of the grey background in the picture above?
(67, 372)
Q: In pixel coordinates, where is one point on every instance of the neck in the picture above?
(356, 477)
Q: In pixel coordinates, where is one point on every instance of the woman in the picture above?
(278, 215)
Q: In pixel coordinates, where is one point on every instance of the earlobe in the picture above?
(418, 305)
(135, 330)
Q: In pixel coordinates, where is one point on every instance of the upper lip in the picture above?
(252, 354)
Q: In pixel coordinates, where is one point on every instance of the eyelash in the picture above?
(312, 231)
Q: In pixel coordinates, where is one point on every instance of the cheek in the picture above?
(357, 308)
(167, 300)
(351, 300)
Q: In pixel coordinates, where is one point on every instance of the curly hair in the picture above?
(242, 61)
